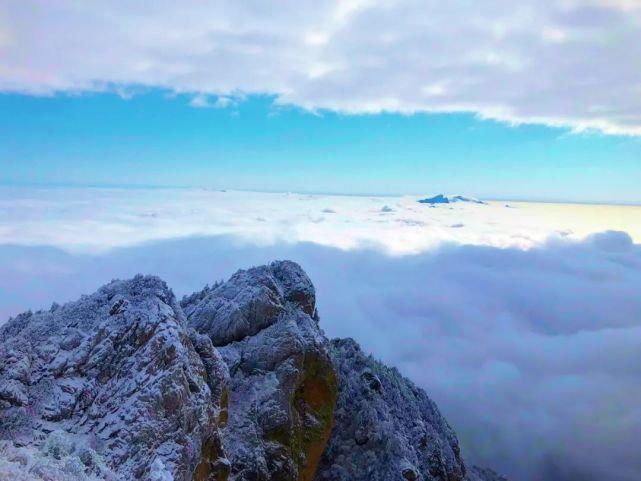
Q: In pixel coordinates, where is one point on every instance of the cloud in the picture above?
(203, 101)
(93, 220)
(531, 354)
(573, 63)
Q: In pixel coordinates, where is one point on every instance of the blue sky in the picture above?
(349, 96)
(158, 139)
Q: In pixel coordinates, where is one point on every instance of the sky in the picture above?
(156, 139)
(131, 135)
(532, 101)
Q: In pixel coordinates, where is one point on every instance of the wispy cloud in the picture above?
(574, 63)
(205, 101)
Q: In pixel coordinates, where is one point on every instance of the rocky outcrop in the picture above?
(476, 473)
(385, 428)
(117, 373)
(237, 382)
(282, 388)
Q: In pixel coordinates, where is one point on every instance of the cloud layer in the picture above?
(573, 63)
(531, 354)
(92, 220)
(523, 324)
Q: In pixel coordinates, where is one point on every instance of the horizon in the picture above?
(192, 140)
(314, 193)
(149, 140)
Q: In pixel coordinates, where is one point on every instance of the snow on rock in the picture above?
(59, 458)
(385, 428)
(238, 383)
(118, 372)
(158, 472)
(282, 387)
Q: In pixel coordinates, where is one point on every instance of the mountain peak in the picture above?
(444, 199)
(238, 382)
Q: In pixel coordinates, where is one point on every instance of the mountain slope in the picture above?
(282, 383)
(238, 382)
(385, 427)
(116, 372)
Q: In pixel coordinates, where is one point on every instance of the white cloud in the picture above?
(529, 61)
(204, 101)
(92, 220)
(200, 101)
(527, 336)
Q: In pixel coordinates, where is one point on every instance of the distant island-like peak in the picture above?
(450, 199)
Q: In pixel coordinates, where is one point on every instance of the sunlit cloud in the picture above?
(97, 220)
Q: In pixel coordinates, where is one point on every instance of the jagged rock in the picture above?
(476, 473)
(119, 373)
(282, 388)
(385, 428)
(238, 382)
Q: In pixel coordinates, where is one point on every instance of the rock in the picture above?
(237, 383)
(476, 473)
(116, 372)
(250, 301)
(282, 388)
(385, 428)
(443, 199)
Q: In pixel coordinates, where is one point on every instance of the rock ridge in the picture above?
(235, 382)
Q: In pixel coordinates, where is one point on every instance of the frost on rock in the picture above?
(236, 383)
(250, 301)
(158, 472)
(58, 459)
(118, 372)
(282, 387)
(385, 428)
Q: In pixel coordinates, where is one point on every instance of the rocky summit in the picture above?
(236, 382)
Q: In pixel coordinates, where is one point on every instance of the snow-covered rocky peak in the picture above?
(282, 383)
(451, 199)
(238, 383)
(250, 301)
(385, 427)
(117, 373)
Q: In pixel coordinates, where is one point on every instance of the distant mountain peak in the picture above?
(450, 199)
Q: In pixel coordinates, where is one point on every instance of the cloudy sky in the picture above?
(530, 100)
(522, 319)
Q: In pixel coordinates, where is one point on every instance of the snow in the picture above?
(158, 472)
(96, 369)
(60, 458)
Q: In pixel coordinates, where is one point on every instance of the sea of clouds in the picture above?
(531, 350)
